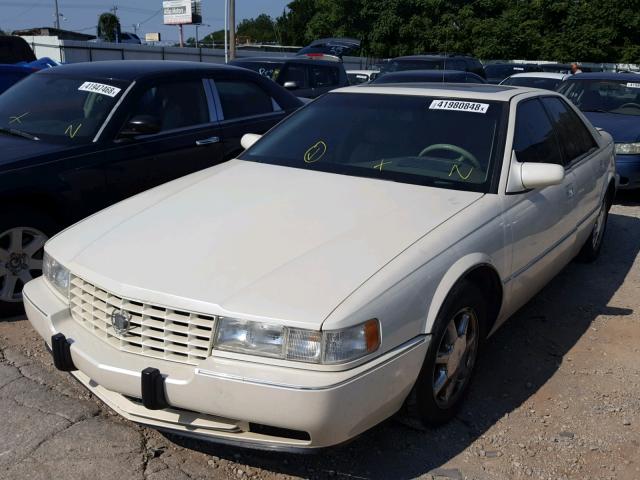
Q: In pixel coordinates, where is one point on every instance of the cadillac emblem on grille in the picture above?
(120, 321)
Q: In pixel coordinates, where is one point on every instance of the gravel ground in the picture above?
(557, 396)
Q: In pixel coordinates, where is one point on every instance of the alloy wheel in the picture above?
(455, 358)
(21, 255)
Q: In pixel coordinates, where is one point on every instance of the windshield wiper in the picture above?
(18, 133)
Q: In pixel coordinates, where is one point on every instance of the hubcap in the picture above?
(21, 252)
(455, 358)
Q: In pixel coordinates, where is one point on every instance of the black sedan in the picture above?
(77, 138)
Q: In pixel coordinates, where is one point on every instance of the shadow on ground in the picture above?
(518, 360)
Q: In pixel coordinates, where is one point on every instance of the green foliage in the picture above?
(108, 27)
(562, 30)
(260, 29)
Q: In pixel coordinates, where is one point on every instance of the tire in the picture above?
(438, 392)
(591, 249)
(23, 234)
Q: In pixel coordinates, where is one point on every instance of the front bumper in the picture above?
(628, 167)
(231, 401)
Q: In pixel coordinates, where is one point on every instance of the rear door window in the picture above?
(574, 137)
(241, 98)
(323, 76)
(294, 73)
(534, 139)
(174, 104)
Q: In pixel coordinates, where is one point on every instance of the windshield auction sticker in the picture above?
(100, 88)
(633, 85)
(458, 106)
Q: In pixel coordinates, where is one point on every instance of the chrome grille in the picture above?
(155, 331)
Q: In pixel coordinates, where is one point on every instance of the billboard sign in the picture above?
(152, 37)
(177, 12)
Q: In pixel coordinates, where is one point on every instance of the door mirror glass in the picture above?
(248, 139)
(539, 175)
(141, 125)
(291, 85)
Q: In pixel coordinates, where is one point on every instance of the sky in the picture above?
(82, 15)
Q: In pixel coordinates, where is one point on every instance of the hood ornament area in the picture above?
(121, 321)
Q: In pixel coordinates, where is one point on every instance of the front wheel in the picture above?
(22, 239)
(451, 357)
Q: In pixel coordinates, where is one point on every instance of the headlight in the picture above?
(628, 148)
(300, 345)
(56, 275)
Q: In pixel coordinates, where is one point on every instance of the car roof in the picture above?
(301, 58)
(552, 75)
(425, 73)
(471, 91)
(132, 70)
(431, 56)
(364, 72)
(605, 76)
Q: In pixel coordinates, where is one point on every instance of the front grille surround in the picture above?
(156, 331)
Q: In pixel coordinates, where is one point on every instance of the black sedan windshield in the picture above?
(534, 82)
(613, 96)
(57, 108)
(436, 141)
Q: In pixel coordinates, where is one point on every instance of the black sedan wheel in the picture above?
(21, 256)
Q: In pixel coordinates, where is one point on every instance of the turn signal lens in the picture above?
(343, 346)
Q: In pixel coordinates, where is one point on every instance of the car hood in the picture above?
(253, 240)
(623, 128)
(15, 148)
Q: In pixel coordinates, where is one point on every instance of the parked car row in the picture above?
(256, 273)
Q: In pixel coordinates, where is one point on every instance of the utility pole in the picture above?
(181, 36)
(57, 22)
(114, 9)
(232, 29)
(226, 30)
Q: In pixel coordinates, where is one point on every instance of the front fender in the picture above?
(454, 274)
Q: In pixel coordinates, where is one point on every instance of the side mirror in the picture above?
(248, 139)
(291, 85)
(529, 175)
(539, 175)
(141, 125)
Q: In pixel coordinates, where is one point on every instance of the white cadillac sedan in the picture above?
(352, 260)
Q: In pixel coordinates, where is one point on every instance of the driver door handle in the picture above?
(207, 141)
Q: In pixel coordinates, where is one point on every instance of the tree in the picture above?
(108, 27)
(260, 29)
(561, 30)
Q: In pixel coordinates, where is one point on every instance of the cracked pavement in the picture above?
(557, 396)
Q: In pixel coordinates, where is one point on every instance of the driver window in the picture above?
(293, 73)
(534, 139)
(174, 105)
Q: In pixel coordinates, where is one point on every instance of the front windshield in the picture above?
(502, 70)
(58, 109)
(434, 141)
(534, 82)
(596, 95)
